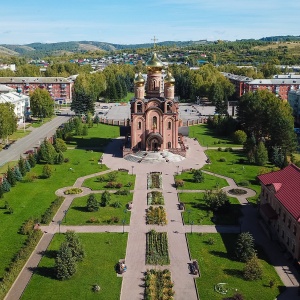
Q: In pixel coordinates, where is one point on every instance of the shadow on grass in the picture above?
(80, 208)
(229, 241)
(97, 144)
(218, 253)
(50, 253)
(234, 273)
(48, 272)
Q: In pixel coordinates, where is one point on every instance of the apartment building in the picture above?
(59, 88)
(280, 86)
(280, 207)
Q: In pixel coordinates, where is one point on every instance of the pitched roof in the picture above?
(286, 183)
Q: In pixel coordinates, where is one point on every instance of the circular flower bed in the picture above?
(237, 192)
(73, 191)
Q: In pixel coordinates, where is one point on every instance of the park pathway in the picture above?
(132, 284)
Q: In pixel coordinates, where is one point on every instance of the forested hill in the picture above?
(38, 50)
(281, 38)
(49, 49)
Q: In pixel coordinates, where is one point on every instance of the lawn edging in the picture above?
(194, 279)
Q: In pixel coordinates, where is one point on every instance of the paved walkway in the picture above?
(184, 285)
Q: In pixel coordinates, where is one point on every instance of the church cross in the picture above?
(154, 40)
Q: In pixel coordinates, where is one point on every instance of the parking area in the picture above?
(187, 111)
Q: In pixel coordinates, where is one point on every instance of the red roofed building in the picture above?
(280, 206)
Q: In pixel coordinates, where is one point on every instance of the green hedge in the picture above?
(19, 261)
(51, 211)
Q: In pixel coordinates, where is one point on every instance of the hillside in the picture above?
(36, 50)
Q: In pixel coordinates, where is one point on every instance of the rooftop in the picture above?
(286, 183)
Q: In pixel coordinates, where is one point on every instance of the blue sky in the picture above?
(138, 21)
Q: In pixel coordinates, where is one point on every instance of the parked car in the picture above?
(29, 152)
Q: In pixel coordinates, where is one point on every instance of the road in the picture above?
(32, 140)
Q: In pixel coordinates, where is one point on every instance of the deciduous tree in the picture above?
(8, 120)
(41, 103)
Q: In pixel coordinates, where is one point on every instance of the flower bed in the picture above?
(158, 285)
(157, 252)
(156, 215)
(154, 180)
(237, 192)
(73, 191)
(155, 198)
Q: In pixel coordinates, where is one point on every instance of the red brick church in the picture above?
(154, 112)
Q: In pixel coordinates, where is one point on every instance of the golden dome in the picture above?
(154, 62)
(139, 78)
(169, 78)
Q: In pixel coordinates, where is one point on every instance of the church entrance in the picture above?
(154, 142)
(155, 146)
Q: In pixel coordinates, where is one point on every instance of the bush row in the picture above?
(19, 261)
(51, 211)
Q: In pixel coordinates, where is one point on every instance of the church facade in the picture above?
(154, 112)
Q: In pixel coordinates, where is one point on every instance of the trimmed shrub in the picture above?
(47, 171)
(122, 192)
(179, 183)
(92, 203)
(252, 270)
(51, 211)
(244, 183)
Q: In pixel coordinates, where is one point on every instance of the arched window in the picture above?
(139, 107)
(169, 145)
(169, 107)
(140, 125)
(169, 125)
(154, 122)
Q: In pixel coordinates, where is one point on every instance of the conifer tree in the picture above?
(32, 160)
(10, 176)
(5, 185)
(18, 174)
(75, 245)
(65, 262)
(22, 167)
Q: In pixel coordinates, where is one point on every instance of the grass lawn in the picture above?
(3, 168)
(233, 168)
(210, 182)
(197, 211)
(38, 122)
(20, 133)
(31, 199)
(97, 138)
(208, 138)
(128, 97)
(127, 181)
(78, 214)
(103, 251)
(216, 266)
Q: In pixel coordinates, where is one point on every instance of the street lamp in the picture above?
(132, 170)
(59, 222)
(123, 222)
(192, 223)
(189, 212)
(65, 216)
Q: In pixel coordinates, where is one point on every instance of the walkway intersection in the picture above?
(132, 284)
